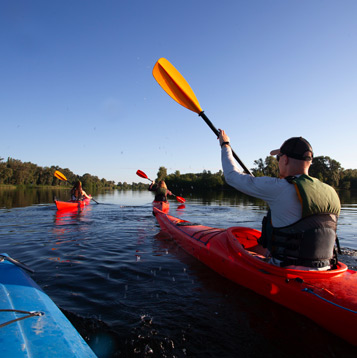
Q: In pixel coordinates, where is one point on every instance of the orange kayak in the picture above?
(161, 205)
(72, 204)
(327, 297)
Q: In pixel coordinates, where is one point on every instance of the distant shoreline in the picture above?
(11, 186)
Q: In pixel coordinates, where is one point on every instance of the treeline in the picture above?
(132, 186)
(324, 168)
(15, 172)
(182, 182)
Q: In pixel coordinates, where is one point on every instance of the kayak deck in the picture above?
(327, 297)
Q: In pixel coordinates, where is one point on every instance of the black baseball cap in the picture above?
(295, 147)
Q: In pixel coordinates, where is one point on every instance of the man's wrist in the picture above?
(224, 143)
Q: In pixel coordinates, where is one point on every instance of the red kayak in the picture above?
(72, 204)
(161, 205)
(327, 297)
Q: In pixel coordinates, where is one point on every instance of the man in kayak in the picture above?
(160, 190)
(77, 193)
(299, 230)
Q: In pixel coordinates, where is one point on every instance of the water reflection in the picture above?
(13, 197)
(67, 223)
(20, 197)
(231, 198)
(69, 217)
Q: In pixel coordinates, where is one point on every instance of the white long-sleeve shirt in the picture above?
(280, 195)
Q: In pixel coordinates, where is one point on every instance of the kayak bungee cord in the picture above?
(309, 290)
(29, 314)
(16, 262)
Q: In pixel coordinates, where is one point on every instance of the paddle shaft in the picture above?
(215, 131)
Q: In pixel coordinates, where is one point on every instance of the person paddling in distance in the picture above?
(160, 190)
(77, 193)
(299, 230)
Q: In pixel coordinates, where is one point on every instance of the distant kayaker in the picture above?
(77, 193)
(160, 190)
(299, 230)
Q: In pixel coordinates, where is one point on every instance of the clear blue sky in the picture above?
(77, 88)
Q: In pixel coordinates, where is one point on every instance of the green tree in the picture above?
(162, 173)
(348, 179)
(259, 170)
(269, 167)
(327, 170)
(5, 172)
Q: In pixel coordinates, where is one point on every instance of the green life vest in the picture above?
(315, 196)
(161, 194)
(310, 241)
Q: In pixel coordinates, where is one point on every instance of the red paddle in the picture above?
(143, 175)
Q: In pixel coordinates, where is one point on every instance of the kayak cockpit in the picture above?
(244, 242)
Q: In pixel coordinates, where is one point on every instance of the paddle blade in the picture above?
(180, 200)
(175, 85)
(142, 174)
(60, 176)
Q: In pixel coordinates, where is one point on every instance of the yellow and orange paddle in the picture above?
(178, 89)
(61, 176)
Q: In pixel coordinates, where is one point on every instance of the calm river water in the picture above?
(131, 292)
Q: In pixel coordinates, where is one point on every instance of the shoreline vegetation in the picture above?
(30, 186)
(14, 174)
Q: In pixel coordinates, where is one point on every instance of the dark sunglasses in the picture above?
(278, 156)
